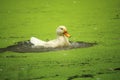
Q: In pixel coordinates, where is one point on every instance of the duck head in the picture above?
(62, 31)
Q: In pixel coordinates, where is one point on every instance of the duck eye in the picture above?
(61, 28)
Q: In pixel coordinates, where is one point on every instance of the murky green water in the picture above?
(89, 21)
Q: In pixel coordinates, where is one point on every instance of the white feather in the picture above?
(61, 40)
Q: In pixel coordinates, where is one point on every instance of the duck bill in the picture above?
(66, 34)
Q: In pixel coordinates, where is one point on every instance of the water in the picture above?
(26, 46)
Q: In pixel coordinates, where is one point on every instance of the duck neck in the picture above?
(64, 39)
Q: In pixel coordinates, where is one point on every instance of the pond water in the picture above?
(26, 46)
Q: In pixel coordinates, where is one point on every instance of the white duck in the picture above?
(62, 39)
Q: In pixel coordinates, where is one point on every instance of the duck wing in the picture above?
(37, 42)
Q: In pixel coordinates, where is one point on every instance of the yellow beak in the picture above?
(66, 34)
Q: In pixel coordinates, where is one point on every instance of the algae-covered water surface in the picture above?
(91, 21)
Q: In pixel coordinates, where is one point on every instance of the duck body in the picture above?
(60, 41)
